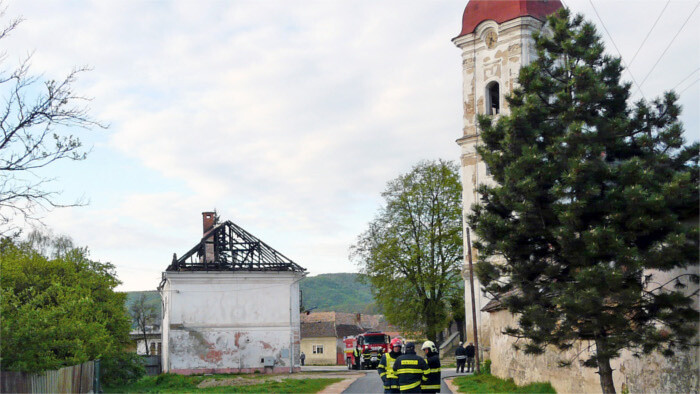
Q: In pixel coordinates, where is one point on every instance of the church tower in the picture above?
(496, 40)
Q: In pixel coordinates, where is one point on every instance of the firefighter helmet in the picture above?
(395, 342)
(410, 347)
(429, 345)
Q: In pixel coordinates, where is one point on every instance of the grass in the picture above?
(170, 383)
(493, 384)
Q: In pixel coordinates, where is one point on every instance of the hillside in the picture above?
(337, 292)
(325, 292)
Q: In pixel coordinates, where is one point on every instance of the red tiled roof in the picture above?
(501, 11)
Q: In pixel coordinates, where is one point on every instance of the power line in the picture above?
(616, 48)
(687, 87)
(686, 78)
(668, 46)
(649, 33)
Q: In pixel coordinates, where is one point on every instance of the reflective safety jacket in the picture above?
(412, 371)
(432, 384)
(356, 353)
(386, 371)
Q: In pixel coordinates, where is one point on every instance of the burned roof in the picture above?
(228, 247)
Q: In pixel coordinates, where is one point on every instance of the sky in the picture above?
(288, 117)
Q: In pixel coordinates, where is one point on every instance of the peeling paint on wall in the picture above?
(225, 322)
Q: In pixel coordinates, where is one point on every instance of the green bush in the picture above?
(121, 369)
(485, 368)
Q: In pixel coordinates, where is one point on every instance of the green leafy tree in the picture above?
(595, 202)
(412, 251)
(57, 311)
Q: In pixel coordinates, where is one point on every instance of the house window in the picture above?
(152, 350)
(318, 349)
(493, 97)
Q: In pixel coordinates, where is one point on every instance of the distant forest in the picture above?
(320, 293)
(337, 292)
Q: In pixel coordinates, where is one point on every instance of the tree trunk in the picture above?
(145, 342)
(604, 369)
(429, 313)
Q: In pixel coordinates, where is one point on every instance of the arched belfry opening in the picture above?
(493, 98)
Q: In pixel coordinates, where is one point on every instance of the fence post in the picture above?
(96, 383)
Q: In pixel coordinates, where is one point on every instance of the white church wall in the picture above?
(481, 66)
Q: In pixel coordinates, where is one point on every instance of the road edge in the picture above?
(339, 387)
(453, 388)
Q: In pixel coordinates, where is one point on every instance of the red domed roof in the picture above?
(500, 11)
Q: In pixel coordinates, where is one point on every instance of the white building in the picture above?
(231, 304)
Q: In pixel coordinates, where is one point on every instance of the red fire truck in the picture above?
(372, 344)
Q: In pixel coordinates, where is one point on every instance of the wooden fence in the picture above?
(76, 379)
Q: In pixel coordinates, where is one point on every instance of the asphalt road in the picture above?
(371, 383)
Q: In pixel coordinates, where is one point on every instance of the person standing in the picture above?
(386, 367)
(411, 370)
(357, 353)
(470, 357)
(461, 357)
(302, 357)
(432, 358)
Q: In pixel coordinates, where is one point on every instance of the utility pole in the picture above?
(471, 287)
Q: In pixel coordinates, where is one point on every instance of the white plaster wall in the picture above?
(647, 374)
(230, 320)
(482, 65)
(165, 326)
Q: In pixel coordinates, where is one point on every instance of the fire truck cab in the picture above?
(373, 344)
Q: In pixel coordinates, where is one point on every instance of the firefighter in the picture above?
(386, 367)
(357, 353)
(411, 370)
(432, 358)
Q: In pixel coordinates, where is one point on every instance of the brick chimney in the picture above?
(208, 222)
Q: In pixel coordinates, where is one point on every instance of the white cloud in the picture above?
(287, 116)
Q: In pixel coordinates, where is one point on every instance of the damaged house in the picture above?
(230, 304)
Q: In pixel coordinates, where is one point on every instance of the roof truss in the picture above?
(228, 247)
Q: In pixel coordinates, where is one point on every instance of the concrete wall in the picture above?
(648, 374)
(329, 356)
(226, 322)
(651, 373)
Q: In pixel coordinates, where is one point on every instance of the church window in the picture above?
(493, 97)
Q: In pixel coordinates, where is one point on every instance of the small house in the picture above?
(230, 305)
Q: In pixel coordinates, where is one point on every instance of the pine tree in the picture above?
(596, 200)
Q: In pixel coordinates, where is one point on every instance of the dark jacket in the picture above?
(460, 353)
(386, 371)
(469, 351)
(411, 370)
(432, 384)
